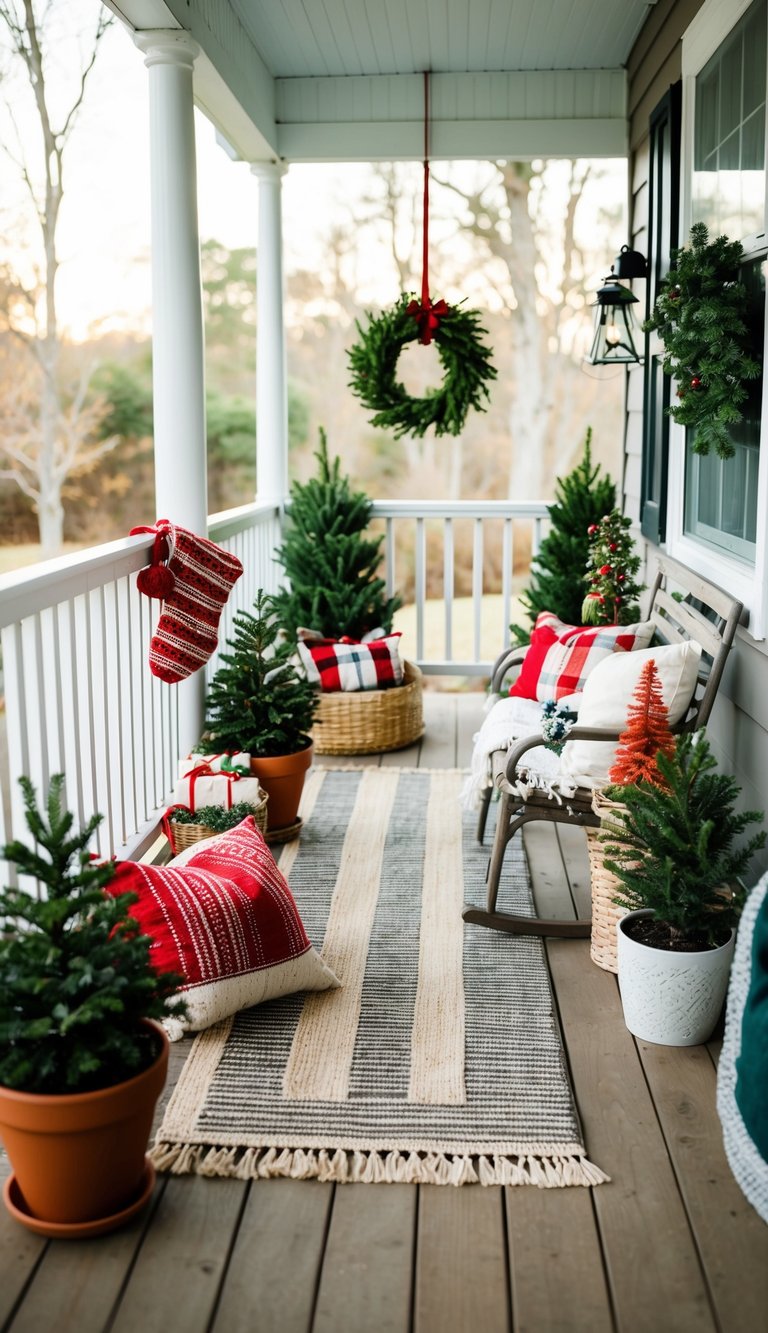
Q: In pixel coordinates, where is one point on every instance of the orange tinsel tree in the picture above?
(646, 733)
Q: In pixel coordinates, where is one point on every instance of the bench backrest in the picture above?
(699, 611)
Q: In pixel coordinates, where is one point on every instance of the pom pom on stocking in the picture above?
(194, 586)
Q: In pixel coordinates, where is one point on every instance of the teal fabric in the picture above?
(752, 1062)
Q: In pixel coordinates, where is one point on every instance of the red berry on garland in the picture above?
(592, 529)
(613, 547)
(605, 569)
(617, 600)
(619, 578)
(681, 393)
(695, 382)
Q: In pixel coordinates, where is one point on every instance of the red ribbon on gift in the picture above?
(205, 771)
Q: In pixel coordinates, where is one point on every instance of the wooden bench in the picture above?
(697, 611)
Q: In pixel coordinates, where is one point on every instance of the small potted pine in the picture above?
(677, 852)
(82, 1064)
(260, 703)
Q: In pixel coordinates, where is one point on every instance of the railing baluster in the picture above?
(507, 569)
(389, 555)
(421, 585)
(477, 584)
(448, 585)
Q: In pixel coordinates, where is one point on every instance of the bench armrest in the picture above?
(577, 733)
(511, 657)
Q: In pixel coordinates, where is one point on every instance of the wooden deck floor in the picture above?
(670, 1246)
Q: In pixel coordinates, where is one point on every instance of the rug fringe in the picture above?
(546, 1171)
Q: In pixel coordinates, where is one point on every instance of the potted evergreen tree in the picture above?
(81, 1064)
(330, 563)
(260, 703)
(673, 848)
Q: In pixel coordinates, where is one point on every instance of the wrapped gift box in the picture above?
(214, 761)
(203, 787)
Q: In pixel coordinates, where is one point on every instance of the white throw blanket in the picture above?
(508, 721)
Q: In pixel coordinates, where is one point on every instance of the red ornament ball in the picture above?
(695, 382)
(613, 547)
(605, 569)
(592, 529)
(619, 578)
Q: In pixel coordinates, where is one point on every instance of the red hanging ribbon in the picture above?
(426, 314)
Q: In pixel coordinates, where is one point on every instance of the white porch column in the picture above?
(271, 375)
(177, 311)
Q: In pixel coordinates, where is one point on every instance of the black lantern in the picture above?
(613, 342)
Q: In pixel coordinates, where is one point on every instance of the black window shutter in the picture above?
(663, 217)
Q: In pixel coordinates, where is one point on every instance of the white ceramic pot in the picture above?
(673, 999)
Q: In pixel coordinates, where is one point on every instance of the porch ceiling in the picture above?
(314, 80)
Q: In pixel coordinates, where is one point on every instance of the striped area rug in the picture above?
(438, 1061)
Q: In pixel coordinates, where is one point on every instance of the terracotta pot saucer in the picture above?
(285, 834)
(14, 1202)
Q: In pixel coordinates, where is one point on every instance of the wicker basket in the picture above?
(185, 835)
(370, 721)
(605, 912)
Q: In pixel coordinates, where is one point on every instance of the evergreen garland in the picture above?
(259, 701)
(216, 817)
(75, 974)
(699, 315)
(673, 847)
(464, 357)
(330, 564)
(581, 499)
(611, 570)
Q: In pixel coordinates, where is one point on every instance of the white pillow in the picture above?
(607, 695)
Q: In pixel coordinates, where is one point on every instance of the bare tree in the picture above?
(56, 433)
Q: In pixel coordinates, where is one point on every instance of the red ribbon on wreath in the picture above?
(426, 314)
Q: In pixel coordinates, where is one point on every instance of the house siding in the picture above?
(738, 727)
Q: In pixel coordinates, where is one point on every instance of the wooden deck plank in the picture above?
(438, 746)
(175, 1282)
(20, 1253)
(548, 873)
(731, 1238)
(554, 1232)
(78, 1285)
(573, 845)
(651, 1259)
(275, 1266)
(366, 1279)
(462, 1281)
(469, 719)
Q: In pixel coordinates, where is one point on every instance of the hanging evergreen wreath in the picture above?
(465, 359)
(699, 315)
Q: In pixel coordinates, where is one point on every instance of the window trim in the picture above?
(706, 33)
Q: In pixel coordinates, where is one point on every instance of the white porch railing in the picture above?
(75, 635)
(79, 697)
(500, 531)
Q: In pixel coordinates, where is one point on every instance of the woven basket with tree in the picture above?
(647, 734)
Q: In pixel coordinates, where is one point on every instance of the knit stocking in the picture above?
(194, 584)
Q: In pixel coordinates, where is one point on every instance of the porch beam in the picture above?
(178, 363)
(402, 141)
(271, 374)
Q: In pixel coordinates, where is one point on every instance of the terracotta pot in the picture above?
(78, 1157)
(282, 777)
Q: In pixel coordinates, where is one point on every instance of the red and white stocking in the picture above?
(193, 577)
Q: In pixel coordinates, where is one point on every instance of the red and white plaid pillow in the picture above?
(560, 656)
(345, 664)
(227, 921)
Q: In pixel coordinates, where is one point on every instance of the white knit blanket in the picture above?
(508, 721)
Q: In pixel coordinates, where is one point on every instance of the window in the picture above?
(717, 511)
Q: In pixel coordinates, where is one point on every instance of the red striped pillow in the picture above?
(227, 921)
(560, 656)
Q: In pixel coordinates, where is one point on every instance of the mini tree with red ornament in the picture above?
(611, 574)
(647, 734)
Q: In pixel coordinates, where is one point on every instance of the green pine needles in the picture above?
(259, 701)
(75, 974)
(581, 500)
(216, 817)
(678, 852)
(699, 315)
(331, 565)
(465, 359)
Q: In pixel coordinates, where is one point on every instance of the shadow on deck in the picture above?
(670, 1245)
